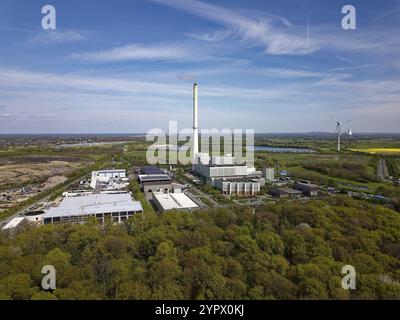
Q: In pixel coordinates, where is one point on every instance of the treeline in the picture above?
(289, 250)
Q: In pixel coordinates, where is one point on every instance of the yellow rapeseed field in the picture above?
(378, 150)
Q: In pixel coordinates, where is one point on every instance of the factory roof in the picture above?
(307, 186)
(170, 201)
(211, 165)
(94, 204)
(286, 191)
(111, 170)
(151, 170)
(240, 179)
(154, 177)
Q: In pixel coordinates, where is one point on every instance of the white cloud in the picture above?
(213, 36)
(57, 36)
(76, 99)
(279, 37)
(261, 31)
(186, 77)
(6, 116)
(137, 52)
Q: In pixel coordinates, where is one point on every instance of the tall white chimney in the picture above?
(195, 148)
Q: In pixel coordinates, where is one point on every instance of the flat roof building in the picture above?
(309, 189)
(286, 193)
(152, 178)
(107, 177)
(115, 207)
(151, 170)
(173, 201)
(154, 182)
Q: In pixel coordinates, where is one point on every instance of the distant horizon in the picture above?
(144, 134)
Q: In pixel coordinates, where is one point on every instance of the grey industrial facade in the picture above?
(238, 186)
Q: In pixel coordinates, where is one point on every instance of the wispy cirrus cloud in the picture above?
(213, 36)
(285, 40)
(156, 52)
(186, 77)
(6, 116)
(279, 36)
(57, 36)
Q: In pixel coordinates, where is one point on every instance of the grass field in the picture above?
(393, 166)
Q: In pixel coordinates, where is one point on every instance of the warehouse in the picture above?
(173, 201)
(154, 179)
(147, 170)
(286, 193)
(155, 182)
(112, 207)
(309, 189)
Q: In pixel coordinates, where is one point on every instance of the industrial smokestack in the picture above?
(195, 148)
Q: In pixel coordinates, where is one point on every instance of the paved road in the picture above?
(205, 195)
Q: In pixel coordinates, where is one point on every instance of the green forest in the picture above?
(288, 250)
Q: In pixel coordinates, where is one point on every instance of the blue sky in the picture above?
(128, 66)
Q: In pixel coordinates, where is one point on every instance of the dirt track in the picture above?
(383, 170)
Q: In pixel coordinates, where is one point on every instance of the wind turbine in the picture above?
(338, 130)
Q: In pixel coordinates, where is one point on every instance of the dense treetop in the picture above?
(289, 250)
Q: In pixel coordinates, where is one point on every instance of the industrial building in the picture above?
(173, 201)
(34, 216)
(148, 170)
(309, 189)
(269, 174)
(222, 172)
(112, 207)
(109, 179)
(286, 193)
(154, 179)
(238, 186)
